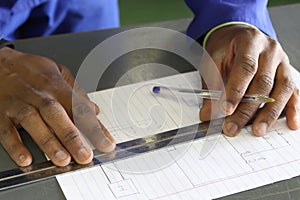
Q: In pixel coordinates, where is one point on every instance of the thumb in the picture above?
(211, 80)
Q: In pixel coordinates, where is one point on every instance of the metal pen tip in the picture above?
(258, 98)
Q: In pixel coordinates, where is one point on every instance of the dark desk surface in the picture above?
(71, 49)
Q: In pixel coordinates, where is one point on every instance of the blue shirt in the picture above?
(32, 18)
(211, 13)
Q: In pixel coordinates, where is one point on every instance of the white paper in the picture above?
(230, 165)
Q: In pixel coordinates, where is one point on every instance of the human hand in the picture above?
(251, 63)
(44, 99)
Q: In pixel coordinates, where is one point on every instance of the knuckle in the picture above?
(26, 112)
(275, 49)
(273, 113)
(235, 91)
(249, 32)
(264, 83)
(288, 85)
(46, 140)
(81, 110)
(48, 102)
(245, 113)
(50, 108)
(55, 82)
(70, 135)
(52, 78)
(248, 65)
(274, 45)
(94, 131)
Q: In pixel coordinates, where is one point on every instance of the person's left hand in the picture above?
(250, 62)
(43, 98)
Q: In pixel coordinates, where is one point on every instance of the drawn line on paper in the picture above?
(225, 179)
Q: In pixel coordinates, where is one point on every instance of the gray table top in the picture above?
(71, 49)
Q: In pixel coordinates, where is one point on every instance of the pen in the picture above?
(214, 94)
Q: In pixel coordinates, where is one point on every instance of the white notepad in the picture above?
(227, 166)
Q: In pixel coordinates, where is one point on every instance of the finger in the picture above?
(262, 84)
(81, 94)
(235, 122)
(29, 118)
(58, 120)
(26, 114)
(293, 110)
(244, 67)
(68, 77)
(86, 120)
(205, 111)
(11, 141)
(211, 79)
(210, 110)
(282, 92)
(55, 116)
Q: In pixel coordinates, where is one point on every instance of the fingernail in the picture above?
(262, 128)
(231, 128)
(227, 107)
(107, 144)
(83, 153)
(22, 158)
(61, 155)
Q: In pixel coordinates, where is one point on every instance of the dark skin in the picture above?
(251, 62)
(37, 94)
(43, 98)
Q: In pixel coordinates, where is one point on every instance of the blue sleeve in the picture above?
(211, 13)
(34, 18)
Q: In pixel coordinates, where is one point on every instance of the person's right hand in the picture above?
(43, 98)
(250, 62)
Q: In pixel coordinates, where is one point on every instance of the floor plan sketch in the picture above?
(232, 164)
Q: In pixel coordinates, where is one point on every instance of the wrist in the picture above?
(207, 36)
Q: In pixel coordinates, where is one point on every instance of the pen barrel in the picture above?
(216, 94)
